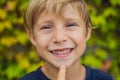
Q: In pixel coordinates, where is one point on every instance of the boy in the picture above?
(59, 30)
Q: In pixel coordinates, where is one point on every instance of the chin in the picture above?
(67, 64)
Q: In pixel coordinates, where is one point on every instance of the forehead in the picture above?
(67, 12)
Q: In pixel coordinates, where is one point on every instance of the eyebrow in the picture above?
(43, 22)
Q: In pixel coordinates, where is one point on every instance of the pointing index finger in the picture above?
(62, 73)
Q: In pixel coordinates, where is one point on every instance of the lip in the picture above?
(62, 53)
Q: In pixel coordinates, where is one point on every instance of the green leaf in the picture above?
(102, 54)
(13, 71)
(115, 2)
(92, 61)
(110, 12)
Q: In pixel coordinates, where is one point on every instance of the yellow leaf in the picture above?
(24, 63)
(20, 21)
(19, 57)
(11, 5)
(21, 37)
(3, 14)
(7, 24)
(8, 41)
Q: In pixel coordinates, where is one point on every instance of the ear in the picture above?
(31, 37)
(88, 34)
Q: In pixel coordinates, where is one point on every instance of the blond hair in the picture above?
(36, 7)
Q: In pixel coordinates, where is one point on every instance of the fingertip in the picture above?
(62, 66)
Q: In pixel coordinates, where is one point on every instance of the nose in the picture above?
(60, 36)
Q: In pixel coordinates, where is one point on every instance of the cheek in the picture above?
(78, 37)
(42, 42)
(80, 46)
(41, 46)
(81, 43)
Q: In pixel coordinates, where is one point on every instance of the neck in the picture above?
(74, 72)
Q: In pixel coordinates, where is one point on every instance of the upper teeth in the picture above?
(61, 51)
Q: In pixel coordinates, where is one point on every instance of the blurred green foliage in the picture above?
(17, 55)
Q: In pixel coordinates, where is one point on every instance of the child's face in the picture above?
(60, 39)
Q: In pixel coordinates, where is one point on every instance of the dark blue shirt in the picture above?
(91, 74)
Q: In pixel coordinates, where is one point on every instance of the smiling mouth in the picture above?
(61, 53)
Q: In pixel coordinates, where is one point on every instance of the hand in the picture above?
(62, 73)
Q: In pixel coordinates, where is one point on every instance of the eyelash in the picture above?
(71, 24)
(46, 27)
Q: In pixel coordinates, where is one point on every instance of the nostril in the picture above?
(59, 41)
